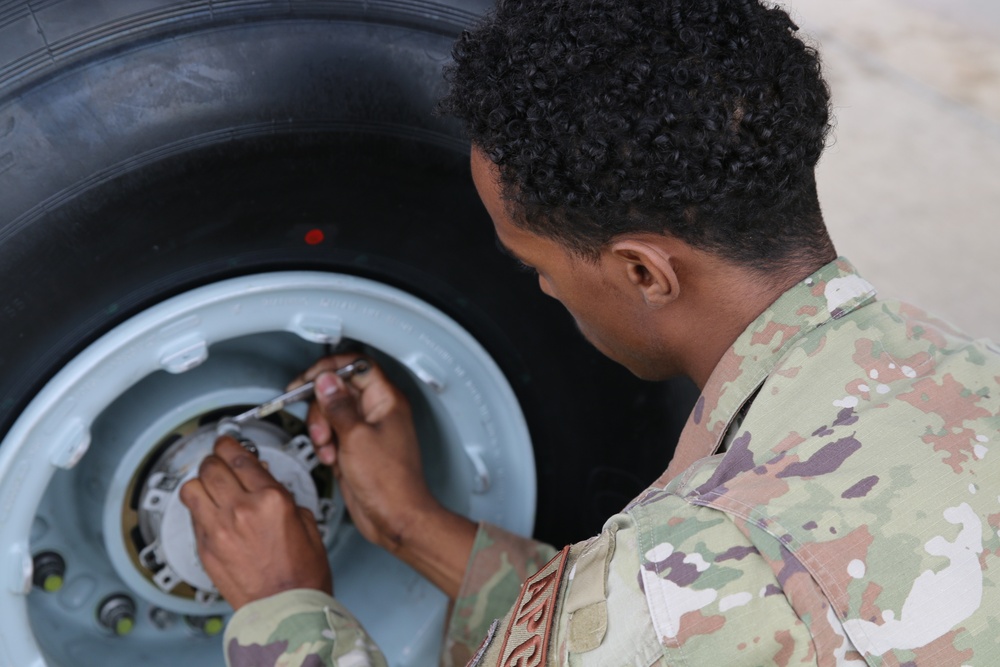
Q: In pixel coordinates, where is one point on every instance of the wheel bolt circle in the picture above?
(48, 571)
(117, 614)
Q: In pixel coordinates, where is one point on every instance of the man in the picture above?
(833, 499)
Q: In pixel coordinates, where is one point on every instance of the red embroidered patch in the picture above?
(526, 642)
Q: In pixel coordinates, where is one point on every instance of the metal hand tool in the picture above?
(299, 393)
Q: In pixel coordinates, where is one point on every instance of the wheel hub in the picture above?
(170, 555)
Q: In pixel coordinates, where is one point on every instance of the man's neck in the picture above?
(726, 302)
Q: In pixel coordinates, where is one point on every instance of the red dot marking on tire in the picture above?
(314, 236)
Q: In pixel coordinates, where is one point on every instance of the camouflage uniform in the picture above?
(833, 501)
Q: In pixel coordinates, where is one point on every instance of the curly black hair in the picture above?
(703, 119)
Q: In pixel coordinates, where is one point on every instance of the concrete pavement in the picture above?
(910, 183)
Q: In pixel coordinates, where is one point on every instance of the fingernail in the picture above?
(326, 384)
(326, 455)
(316, 432)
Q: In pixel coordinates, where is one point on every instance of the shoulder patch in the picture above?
(526, 641)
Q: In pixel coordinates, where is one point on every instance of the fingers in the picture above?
(335, 362)
(255, 544)
(323, 437)
(360, 383)
(247, 469)
(225, 475)
(347, 405)
(195, 497)
(336, 403)
(342, 406)
(218, 480)
(321, 432)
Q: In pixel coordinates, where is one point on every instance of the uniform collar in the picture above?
(830, 293)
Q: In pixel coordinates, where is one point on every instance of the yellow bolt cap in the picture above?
(213, 626)
(124, 626)
(52, 583)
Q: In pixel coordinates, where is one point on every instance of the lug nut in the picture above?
(161, 618)
(49, 571)
(209, 625)
(117, 614)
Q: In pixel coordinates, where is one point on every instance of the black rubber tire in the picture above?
(148, 147)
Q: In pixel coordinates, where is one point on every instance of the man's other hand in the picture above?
(253, 540)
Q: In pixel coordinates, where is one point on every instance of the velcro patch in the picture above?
(526, 642)
(478, 657)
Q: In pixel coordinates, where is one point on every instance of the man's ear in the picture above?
(649, 268)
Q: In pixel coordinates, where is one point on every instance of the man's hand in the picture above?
(253, 540)
(364, 429)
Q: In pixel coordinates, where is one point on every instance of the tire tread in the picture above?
(95, 27)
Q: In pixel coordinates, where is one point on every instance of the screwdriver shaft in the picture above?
(298, 394)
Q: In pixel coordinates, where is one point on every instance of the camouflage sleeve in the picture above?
(669, 584)
(300, 628)
(499, 563)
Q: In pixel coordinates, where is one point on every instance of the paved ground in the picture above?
(911, 182)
